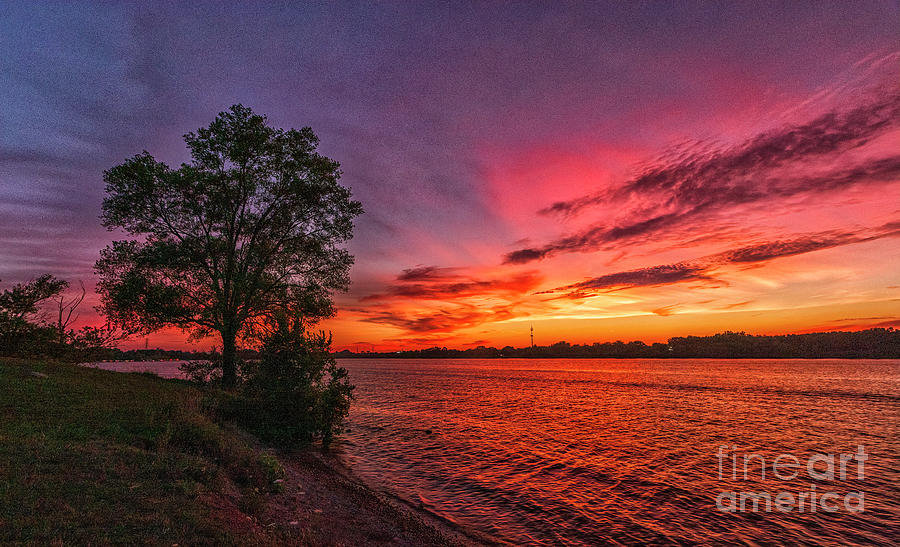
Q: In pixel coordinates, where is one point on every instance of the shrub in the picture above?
(295, 393)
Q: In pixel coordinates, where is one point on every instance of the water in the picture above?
(164, 369)
(586, 452)
(581, 452)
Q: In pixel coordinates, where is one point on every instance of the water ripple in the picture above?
(587, 452)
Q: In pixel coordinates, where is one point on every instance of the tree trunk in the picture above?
(229, 358)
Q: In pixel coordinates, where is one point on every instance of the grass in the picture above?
(90, 456)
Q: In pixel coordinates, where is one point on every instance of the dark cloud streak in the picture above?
(702, 270)
(642, 277)
(686, 187)
(445, 320)
(419, 284)
(427, 273)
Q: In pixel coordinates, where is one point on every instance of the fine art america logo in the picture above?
(737, 466)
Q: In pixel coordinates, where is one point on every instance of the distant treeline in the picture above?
(867, 344)
(877, 343)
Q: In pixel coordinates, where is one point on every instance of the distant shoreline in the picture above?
(877, 343)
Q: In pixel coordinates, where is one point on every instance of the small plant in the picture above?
(274, 472)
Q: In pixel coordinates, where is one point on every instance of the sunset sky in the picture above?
(599, 171)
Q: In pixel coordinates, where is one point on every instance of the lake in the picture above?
(581, 452)
(594, 451)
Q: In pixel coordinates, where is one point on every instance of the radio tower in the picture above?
(532, 336)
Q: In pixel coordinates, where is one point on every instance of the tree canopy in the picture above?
(253, 225)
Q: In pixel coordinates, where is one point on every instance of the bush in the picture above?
(295, 393)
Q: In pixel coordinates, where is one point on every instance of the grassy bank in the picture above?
(100, 457)
(95, 457)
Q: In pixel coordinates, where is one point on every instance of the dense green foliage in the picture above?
(95, 457)
(252, 226)
(867, 344)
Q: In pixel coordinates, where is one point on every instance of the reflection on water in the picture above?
(596, 451)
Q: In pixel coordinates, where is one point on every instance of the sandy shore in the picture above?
(324, 504)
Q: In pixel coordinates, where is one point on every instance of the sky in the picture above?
(601, 171)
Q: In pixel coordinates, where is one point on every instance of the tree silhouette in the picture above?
(252, 226)
(20, 311)
(67, 312)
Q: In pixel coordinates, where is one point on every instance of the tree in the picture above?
(66, 313)
(20, 312)
(252, 226)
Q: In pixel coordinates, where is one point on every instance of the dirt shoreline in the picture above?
(323, 503)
